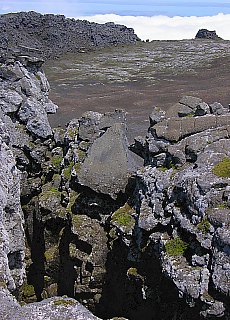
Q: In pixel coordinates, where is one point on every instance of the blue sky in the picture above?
(119, 7)
(154, 20)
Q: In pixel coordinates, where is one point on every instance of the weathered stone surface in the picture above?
(156, 116)
(52, 308)
(11, 219)
(32, 113)
(89, 125)
(174, 129)
(110, 118)
(191, 102)
(109, 164)
(10, 101)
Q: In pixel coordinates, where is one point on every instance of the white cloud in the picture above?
(166, 28)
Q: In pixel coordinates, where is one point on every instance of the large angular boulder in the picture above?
(109, 163)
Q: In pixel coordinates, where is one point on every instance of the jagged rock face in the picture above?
(184, 194)
(58, 204)
(27, 98)
(206, 34)
(52, 35)
(12, 244)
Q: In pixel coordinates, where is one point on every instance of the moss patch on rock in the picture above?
(64, 302)
(27, 294)
(51, 253)
(67, 171)
(56, 161)
(222, 169)
(81, 155)
(204, 226)
(132, 272)
(176, 247)
(123, 217)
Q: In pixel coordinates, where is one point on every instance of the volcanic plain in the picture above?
(138, 77)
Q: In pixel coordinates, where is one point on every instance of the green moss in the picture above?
(81, 155)
(54, 190)
(204, 226)
(72, 132)
(172, 165)
(222, 169)
(46, 279)
(67, 171)
(163, 169)
(72, 250)
(77, 167)
(132, 272)
(63, 302)
(3, 284)
(190, 115)
(72, 198)
(84, 145)
(51, 253)
(223, 205)
(28, 290)
(49, 194)
(123, 216)
(43, 179)
(176, 247)
(76, 221)
(38, 77)
(56, 161)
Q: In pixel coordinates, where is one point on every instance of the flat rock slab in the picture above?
(109, 163)
(174, 129)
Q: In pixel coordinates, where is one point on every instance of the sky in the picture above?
(159, 20)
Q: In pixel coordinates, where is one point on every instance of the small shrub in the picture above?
(222, 169)
(176, 247)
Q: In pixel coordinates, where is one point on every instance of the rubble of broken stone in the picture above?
(78, 219)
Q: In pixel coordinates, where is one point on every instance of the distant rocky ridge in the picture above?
(52, 35)
(206, 34)
(77, 219)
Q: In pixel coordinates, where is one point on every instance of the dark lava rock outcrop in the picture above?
(52, 35)
(206, 34)
(77, 220)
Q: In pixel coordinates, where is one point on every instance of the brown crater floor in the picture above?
(136, 78)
